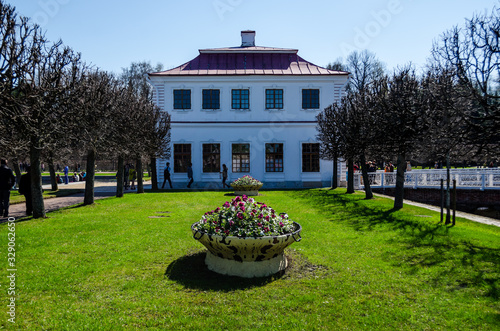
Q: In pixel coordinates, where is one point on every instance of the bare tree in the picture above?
(32, 91)
(365, 68)
(96, 115)
(403, 117)
(155, 125)
(329, 138)
(473, 53)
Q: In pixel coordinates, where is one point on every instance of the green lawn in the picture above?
(15, 197)
(131, 263)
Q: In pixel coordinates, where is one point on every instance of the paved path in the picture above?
(472, 217)
(101, 190)
(108, 189)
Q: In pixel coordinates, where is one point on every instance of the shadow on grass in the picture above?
(191, 271)
(456, 263)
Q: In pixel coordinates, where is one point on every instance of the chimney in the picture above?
(247, 38)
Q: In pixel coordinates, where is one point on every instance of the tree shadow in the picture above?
(456, 263)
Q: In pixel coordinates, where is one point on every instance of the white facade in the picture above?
(292, 126)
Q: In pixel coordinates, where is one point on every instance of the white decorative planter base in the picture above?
(246, 269)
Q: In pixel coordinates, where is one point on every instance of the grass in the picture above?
(16, 198)
(131, 263)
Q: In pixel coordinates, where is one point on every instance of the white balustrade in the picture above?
(472, 178)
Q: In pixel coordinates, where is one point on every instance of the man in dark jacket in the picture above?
(25, 189)
(190, 174)
(166, 175)
(7, 180)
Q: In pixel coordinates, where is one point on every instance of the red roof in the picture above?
(247, 61)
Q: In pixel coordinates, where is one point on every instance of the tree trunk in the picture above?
(36, 183)
(52, 171)
(17, 170)
(335, 177)
(154, 179)
(350, 176)
(140, 184)
(119, 177)
(366, 179)
(89, 181)
(448, 220)
(399, 191)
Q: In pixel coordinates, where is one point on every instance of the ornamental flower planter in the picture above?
(243, 238)
(246, 185)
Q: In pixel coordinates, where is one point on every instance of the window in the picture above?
(211, 99)
(274, 157)
(241, 157)
(310, 99)
(274, 99)
(310, 157)
(240, 99)
(182, 157)
(211, 157)
(182, 99)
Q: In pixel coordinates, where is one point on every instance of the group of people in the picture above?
(8, 182)
(129, 176)
(167, 175)
(387, 166)
(76, 177)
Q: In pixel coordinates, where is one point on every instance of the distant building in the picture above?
(252, 108)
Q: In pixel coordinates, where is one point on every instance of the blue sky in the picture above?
(113, 33)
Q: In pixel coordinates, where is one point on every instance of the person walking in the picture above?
(224, 176)
(166, 175)
(66, 173)
(25, 189)
(132, 176)
(126, 170)
(190, 174)
(7, 180)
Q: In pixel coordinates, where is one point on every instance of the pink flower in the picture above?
(267, 218)
(281, 224)
(240, 216)
(231, 222)
(259, 224)
(261, 216)
(226, 205)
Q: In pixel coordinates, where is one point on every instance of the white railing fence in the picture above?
(482, 179)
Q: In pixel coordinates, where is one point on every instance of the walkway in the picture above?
(471, 217)
(101, 190)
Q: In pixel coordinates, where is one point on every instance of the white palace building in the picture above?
(251, 108)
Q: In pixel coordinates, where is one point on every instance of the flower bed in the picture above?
(246, 238)
(246, 185)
